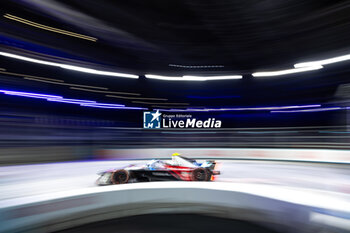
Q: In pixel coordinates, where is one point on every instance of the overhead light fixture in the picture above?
(68, 67)
(201, 78)
(98, 72)
(323, 62)
(288, 71)
(197, 67)
(192, 78)
(48, 28)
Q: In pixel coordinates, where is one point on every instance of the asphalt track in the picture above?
(34, 180)
(170, 223)
(29, 180)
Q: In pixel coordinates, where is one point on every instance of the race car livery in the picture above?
(178, 169)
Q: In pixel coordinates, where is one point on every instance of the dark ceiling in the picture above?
(139, 37)
(146, 36)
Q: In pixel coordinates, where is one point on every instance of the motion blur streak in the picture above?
(64, 84)
(197, 67)
(195, 78)
(136, 98)
(289, 71)
(241, 109)
(338, 222)
(69, 67)
(142, 102)
(323, 62)
(54, 188)
(93, 92)
(311, 110)
(111, 106)
(192, 78)
(31, 76)
(48, 80)
(37, 25)
(87, 103)
(110, 92)
(164, 106)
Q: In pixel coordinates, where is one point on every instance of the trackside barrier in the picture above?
(278, 207)
(313, 155)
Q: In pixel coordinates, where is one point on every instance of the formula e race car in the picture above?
(179, 168)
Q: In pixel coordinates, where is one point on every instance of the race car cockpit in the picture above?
(155, 164)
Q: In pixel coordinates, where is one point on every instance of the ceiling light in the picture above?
(200, 78)
(68, 67)
(192, 78)
(288, 71)
(197, 67)
(98, 72)
(323, 62)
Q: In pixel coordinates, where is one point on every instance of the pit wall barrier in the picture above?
(307, 155)
(280, 208)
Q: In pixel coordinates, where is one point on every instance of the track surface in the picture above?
(28, 180)
(169, 223)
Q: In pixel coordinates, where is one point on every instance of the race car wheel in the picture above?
(200, 174)
(120, 177)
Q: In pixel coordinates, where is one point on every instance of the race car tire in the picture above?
(199, 174)
(120, 176)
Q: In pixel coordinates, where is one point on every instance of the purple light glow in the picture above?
(80, 101)
(312, 110)
(29, 94)
(72, 101)
(64, 101)
(103, 105)
(60, 99)
(111, 107)
(26, 95)
(241, 109)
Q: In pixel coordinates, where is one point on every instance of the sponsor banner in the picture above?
(157, 120)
